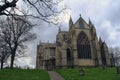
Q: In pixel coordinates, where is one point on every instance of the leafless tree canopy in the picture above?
(15, 29)
(115, 52)
(46, 10)
(15, 32)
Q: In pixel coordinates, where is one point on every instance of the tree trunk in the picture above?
(13, 56)
(12, 60)
(1, 64)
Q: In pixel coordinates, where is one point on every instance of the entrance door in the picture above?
(51, 64)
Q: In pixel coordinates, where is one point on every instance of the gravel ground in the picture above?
(55, 76)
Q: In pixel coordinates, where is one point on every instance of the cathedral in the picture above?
(77, 47)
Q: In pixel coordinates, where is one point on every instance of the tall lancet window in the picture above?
(81, 24)
(83, 46)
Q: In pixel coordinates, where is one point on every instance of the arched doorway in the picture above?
(51, 64)
(69, 58)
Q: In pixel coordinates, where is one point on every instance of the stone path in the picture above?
(55, 76)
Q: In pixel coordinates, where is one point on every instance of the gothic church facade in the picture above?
(77, 47)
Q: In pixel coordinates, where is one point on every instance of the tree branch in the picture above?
(7, 5)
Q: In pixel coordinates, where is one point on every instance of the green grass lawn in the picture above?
(90, 74)
(18, 74)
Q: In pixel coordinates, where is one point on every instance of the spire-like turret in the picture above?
(70, 22)
(90, 23)
(59, 30)
(104, 43)
(100, 41)
(80, 15)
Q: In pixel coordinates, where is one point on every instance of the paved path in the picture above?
(55, 76)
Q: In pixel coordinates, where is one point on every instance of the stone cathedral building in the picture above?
(77, 47)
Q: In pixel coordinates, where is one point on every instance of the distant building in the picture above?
(74, 48)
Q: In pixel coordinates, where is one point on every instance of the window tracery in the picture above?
(83, 46)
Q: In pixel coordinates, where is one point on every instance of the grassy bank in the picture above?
(17, 74)
(90, 74)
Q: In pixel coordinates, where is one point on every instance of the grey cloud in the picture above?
(113, 13)
(118, 29)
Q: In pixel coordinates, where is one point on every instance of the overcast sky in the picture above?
(104, 14)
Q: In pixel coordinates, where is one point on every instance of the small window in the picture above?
(81, 24)
(52, 52)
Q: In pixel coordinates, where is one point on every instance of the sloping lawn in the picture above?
(90, 74)
(18, 74)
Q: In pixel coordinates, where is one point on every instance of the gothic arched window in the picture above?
(81, 24)
(83, 46)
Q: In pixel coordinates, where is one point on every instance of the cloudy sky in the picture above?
(104, 14)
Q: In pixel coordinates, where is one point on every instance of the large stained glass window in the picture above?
(83, 46)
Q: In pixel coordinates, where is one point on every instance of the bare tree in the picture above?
(4, 52)
(115, 55)
(15, 32)
(46, 10)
